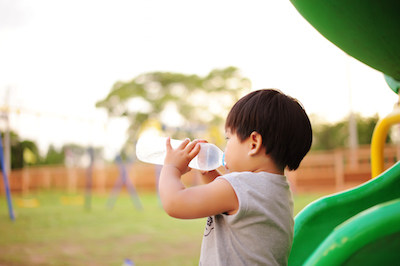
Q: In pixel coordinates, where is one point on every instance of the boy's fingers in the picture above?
(191, 144)
(195, 148)
(184, 143)
(168, 144)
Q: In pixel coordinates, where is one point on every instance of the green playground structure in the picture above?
(355, 227)
(368, 30)
(360, 226)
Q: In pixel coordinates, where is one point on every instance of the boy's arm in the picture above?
(195, 202)
(208, 177)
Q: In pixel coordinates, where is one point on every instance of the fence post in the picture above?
(25, 180)
(339, 170)
(46, 177)
(71, 176)
(99, 177)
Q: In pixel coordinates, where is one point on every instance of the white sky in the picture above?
(58, 58)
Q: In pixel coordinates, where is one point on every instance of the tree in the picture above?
(16, 151)
(366, 128)
(329, 136)
(24, 153)
(18, 148)
(54, 156)
(182, 104)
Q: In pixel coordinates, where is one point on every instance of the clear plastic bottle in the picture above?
(152, 149)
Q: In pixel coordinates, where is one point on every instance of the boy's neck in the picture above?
(266, 164)
(271, 170)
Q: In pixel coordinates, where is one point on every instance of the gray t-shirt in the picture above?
(261, 232)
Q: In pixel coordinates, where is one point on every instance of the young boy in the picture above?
(250, 209)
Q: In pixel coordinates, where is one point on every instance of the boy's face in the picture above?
(235, 153)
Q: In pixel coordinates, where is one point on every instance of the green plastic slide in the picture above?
(360, 226)
(368, 30)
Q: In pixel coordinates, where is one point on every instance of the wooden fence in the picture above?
(319, 172)
(103, 178)
(337, 170)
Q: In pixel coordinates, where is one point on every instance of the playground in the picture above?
(58, 233)
(358, 224)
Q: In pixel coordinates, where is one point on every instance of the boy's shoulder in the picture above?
(252, 177)
(249, 173)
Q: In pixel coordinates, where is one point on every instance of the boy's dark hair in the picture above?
(280, 120)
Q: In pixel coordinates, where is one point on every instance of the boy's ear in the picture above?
(255, 140)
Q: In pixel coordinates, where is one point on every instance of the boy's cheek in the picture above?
(226, 159)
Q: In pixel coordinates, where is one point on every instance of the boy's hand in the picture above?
(182, 155)
(208, 176)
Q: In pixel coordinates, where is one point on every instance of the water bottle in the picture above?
(152, 149)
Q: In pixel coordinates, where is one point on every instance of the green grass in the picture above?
(58, 234)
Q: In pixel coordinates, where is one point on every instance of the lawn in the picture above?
(61, 231)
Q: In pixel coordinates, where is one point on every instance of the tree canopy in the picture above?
(183, 105)
(329, 136)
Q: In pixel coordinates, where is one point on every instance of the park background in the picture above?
(83, 76)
